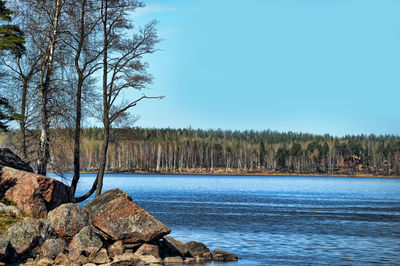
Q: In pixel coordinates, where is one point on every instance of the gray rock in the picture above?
(52, 247)
(117, 217)
(29, 234)
(68, 219)
(10, 159)
(223, 256)
(86, 241)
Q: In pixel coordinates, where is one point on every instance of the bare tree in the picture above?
(83, 21)
(123, 69)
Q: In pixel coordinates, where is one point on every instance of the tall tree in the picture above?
(83, 21)
(46, 22)
(122, 65)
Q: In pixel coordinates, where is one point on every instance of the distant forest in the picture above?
(220, 152)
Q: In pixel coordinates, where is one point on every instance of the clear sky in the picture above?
(314, 66)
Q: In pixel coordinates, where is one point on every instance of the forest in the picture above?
(220, 152)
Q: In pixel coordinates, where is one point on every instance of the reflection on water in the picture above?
(275, 220)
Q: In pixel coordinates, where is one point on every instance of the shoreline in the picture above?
(239, 173)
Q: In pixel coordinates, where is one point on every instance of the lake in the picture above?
(275, 220)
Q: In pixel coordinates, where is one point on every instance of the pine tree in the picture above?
(11, 36)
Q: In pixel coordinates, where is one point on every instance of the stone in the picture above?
(89, 264)
(149, 259)
(86, 241)
(223, 256)
(52, 247)
(28, 234)
(34, 194)
(99, 257)
(176, 247)
(10, 159)
(200, 260)
(3, 245)
(68, 219)
(189, 260)
(44, 262)
(62, 259)
(116, 249)
(127, 256)
(117, 217)
(9, 209)
(173, 260)
(82, 260)
(148, 249)
(197, 249)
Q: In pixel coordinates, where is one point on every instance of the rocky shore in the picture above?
(39, 226)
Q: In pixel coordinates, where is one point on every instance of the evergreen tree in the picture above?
(11, 37)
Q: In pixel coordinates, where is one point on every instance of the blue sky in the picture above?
(312, 66)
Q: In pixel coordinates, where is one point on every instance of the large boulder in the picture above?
(68, 219)
(25, 236)
(10, 159)
(35, 194)
(117, 217)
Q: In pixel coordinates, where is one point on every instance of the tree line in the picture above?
(224, 152)
(66, 61)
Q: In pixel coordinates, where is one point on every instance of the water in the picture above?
(275, 220)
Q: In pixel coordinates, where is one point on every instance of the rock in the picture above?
(86, 241)
(189, 260)
(148, 249)
(148, 259)
(173, 260)
(99, 257)
(220, 255)
(68, 219)
(3, 245)
(198, 249)
(200, 260)
(10, 159)
(89, 264)
(9, 209)
(52, 247)
(128, 255)
(62, 259)
(116, 249)
(82, 260)
(117, 217)
(44, 262)
(34, 194)
(176, 247)
(28, 234)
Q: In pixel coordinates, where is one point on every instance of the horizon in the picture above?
(320, 68)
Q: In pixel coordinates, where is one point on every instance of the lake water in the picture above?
(275, 220)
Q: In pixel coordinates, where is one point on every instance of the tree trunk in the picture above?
(47, 69)
(103, 159)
